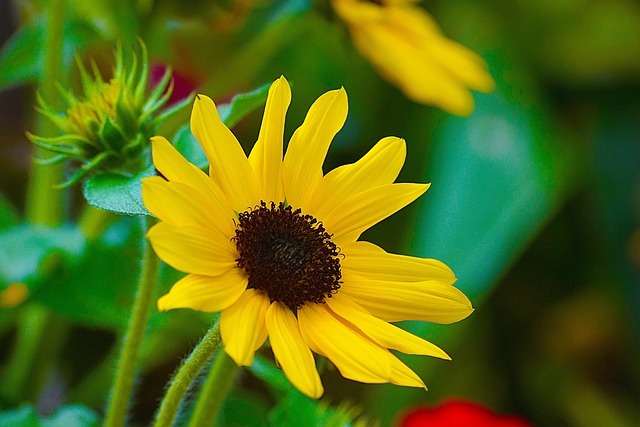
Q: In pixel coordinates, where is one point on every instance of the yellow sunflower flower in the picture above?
(274, 244)
(406, 46)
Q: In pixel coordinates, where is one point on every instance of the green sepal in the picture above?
(127, 117)
(141, 87)
(84, 170)
(156, 100)
(84, 145)
(50, 161)
(68, 150)
(112, 136)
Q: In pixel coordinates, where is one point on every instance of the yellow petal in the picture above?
(371, 261)
(266, 155)
(179, 204)
(430, 301)
(385, 334)
(356, 357)
(417, 73)
(242, 326)
(460, 61)
(205, 293)
(230, 167)
(356, 214)
(402, 375)
(193, 249)
(302, 167)
(176, 168)
(380, 166)
(291, 352)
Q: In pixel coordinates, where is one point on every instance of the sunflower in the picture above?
(273, 244)
(405, 45)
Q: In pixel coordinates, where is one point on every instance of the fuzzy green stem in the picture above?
(183, 378)
(219, 382)
(126, 370)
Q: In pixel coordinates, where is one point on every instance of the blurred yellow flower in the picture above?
(406, 46)
(273, 244)
(13, 295)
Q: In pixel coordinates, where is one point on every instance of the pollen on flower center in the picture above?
(287, 255)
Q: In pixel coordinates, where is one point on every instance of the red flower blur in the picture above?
(183, 85)
(458, 413)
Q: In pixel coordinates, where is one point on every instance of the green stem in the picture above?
(39, 340)
(44, 204)
(219, 382)
(94, 221)
(183, 378)
(28, 366)
(123, 384)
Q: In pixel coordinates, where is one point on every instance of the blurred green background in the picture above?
(535, 198)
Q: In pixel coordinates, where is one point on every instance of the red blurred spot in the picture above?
(183, 86)
(459, 413)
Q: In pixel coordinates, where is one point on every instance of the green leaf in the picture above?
(243, 104)
(243, 409)
(240, 106)
(117, 193)
(274, 377)
(189, 147)
(294, 408)
(21, 58)
(98, 287)
(24, 416)
(27, 247)
(67, 416)
(72, 416)
(497, 177)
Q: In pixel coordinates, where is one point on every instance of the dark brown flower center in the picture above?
(287, 255)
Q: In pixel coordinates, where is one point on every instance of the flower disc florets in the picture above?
(287, 255)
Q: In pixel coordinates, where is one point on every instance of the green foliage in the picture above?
(66, 416)
(22, 57)
(36, 250)
(8, 213)
(97, 287)
(294, 408)
(243, 104)
(117, 192)
(503, 171)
